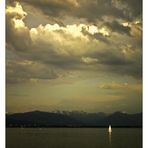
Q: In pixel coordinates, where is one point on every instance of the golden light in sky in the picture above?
(74, 55)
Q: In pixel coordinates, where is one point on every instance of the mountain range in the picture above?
(73, 119)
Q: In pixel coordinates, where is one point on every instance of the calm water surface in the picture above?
(73, 138)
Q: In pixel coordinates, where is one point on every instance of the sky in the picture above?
(70, 55)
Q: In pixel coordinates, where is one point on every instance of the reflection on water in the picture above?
(110, 134)
(73, 138)
(110, 137)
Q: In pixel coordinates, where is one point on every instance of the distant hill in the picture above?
(73, 119)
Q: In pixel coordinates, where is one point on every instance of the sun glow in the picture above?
(92, 29)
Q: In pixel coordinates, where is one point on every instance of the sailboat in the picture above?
(109, 129)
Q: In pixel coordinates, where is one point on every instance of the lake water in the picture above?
(73, 138)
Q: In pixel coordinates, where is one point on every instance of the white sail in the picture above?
(109, 129)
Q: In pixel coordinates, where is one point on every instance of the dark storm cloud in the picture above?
(96, 9)
(97, 36)
(133, 70)
(100, 37)
(90, 10)
(26, 70)
(54, 8)
(134, 7)
(115, 62)
(116, 27)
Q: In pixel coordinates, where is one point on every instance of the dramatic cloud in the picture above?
(27, 70)
(54, 44)
(115, 26)
(90, 10)
(16, 30)
(75, 43)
